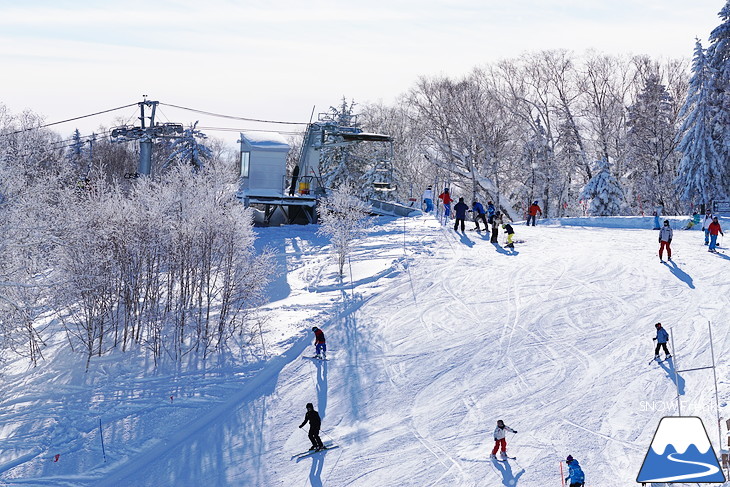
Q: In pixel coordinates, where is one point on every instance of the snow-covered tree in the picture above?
(343, 218)
(700, 169)
(604, 192)
(651, 157)
(718, 60)
(189, 150)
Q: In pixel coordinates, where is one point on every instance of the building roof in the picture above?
(264, 141)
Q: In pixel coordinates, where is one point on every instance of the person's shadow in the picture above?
(500, 249)
(668, 366)
(466, 240)
(508, 478)
(315, 472)
(680, 274)
(321, 386)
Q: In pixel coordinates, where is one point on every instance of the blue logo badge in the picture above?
(681, 452)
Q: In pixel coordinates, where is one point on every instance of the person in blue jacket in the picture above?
(491, 211)
(576, 477)
(460, 214)
(662, 337)
(479, 212)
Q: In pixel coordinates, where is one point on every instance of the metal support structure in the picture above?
(714, 375)
(146, 134)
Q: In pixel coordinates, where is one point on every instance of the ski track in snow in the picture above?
(438, 339)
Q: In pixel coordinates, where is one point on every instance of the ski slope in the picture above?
(432, 336)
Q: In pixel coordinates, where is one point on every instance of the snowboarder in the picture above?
(532, 211)
(315, 422)
(510, 235)
(714, 228)
(445, 197)
(460, 210)
(665, 238)
(320, 346)
(428, 199)
(496, 222)
(479, 212)
(706, 226)
(499, 441)
(662, 337)
(576, 477)
(491, 211)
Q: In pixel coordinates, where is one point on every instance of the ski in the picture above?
(312, 452)
(315, 358)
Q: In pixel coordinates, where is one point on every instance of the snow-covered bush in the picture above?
(169, 265)
(343, 217)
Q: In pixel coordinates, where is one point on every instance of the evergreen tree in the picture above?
(699, 174)
(604, 191)
(651, 142)
(718, 60)
(76, 149)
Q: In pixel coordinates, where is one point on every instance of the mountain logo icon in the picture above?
(681, 452)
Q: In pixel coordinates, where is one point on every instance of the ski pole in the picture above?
(562, 479)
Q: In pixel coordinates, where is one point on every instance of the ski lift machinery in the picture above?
(329, 133)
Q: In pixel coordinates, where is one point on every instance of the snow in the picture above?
(432, 337)
(265, 140)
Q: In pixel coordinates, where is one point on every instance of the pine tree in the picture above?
(699, 174)
(718, 60)
(651, 141)
(604, 191)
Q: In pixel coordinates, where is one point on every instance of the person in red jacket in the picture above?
(532, 213)
(319, 343)
(714, 228)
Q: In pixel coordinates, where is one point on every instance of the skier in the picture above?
(446, 198)
(320, 346)
(662, 337)
(428, 199)
(532, 213)
(460, 209)
(665, 238)
(314, 424)
(510, 235)
(576, 477)
(714, 228)
(706, 226)
(496, 222)
(657, 214)
(491, 211)
(499, 441)
(479, 212)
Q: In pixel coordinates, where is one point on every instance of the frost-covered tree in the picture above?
(651, 157)
(188, 148)
(343, 218)
(718, 60)
(700, 170)
(604, 192)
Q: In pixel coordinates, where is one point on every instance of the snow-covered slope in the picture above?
(432, 337)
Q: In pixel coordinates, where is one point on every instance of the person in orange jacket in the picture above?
(532, 213)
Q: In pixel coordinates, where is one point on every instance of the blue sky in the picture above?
(277, 59)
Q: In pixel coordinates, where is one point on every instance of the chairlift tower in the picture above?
(146, 134)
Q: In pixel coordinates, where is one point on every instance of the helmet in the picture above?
(310, 405)
(666, 222)
(534, 203)
(658, 325)
(314, 328)
(569, 459)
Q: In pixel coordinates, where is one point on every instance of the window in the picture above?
(245, 163)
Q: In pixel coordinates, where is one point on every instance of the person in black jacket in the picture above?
(314, 424)
(460, 210)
